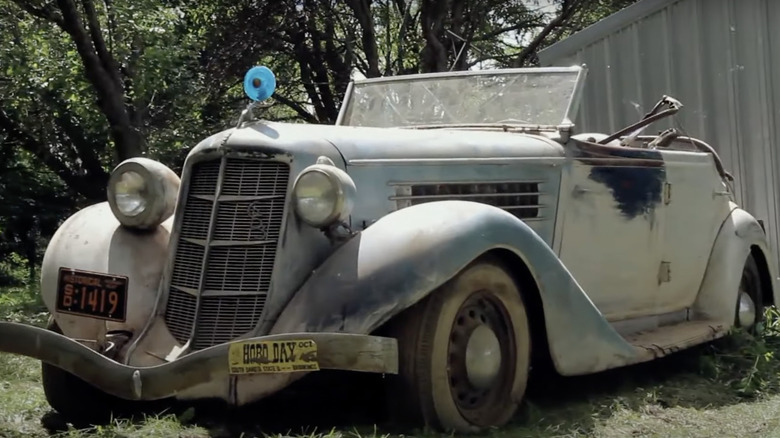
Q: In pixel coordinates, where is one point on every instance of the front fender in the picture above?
(717, 296)
(93, 240)
(409, 253)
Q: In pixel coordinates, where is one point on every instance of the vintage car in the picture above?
(451, 231)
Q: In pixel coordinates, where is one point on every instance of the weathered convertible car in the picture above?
(450, 231)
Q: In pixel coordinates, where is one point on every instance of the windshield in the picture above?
(531, 96)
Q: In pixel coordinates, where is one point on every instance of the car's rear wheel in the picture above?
(464, 353)
(75, 400)
(750, 310)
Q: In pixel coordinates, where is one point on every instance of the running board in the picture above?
(672, 338)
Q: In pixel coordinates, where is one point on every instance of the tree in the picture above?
(89, 84)
(316, 45)
(84, 85)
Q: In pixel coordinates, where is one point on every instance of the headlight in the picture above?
(323, 194)
(142, 193)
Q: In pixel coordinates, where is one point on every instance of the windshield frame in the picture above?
(568, 117)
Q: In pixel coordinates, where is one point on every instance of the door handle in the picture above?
(578, 190)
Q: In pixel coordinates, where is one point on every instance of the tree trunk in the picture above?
(362, 11)
(434, 53)
(31, 250)
(101, 71)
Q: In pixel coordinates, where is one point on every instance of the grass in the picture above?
(729, 388)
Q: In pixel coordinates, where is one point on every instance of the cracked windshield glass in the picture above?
(519, 98)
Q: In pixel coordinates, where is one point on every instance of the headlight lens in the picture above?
(316, 197)
(142, 193)
(323, 194)
(131, 194)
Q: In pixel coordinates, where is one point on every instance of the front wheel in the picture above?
(464, 353)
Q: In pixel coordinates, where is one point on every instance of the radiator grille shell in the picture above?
(232, 216)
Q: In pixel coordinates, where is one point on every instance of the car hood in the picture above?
(357, 144)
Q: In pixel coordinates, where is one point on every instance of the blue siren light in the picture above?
(259, 83)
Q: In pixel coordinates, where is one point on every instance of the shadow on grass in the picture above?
(735, 369)
(728, 371)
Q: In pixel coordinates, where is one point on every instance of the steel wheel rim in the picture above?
(746, 312)
(746, 305)
(481, 311)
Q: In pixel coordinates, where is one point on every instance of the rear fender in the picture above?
(93, 240)
(407, 254)
(739, 235)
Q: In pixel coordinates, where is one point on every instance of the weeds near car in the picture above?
(729, 388)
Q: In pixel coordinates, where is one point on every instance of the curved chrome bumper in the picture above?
(341, 351)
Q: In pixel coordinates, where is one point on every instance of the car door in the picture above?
(608, 230)
(696, 206)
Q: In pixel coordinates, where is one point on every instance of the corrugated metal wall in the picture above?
(721, 59)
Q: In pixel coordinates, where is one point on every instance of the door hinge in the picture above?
(665, 272)
(667, 193)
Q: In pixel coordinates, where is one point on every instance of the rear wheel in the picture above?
(464, 353)
(750, 309)
(74, 399)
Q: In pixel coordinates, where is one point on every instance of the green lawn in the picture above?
(727, 389)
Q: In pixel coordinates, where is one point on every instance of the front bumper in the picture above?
(340, 351)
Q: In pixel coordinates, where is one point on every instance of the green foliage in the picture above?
(747, 362)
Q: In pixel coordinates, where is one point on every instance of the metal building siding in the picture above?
(720, 58)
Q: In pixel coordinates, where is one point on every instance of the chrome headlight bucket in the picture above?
(323, 194)
(142, 193)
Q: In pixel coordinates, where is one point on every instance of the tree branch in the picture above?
(46, 12)
(109, 64)
(567, 10)
(111, 24)
(497, 32)
(301, 111)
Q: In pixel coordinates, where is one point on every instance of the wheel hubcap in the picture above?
(747, 310)
(483, 357)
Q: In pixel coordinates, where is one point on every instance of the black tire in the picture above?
(77, 401)
(433, 387)
(751, 286)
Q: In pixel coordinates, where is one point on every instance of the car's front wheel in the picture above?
(464, 353)
(74, 399)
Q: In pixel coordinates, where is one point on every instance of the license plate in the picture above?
(273, 357)
(92, 294)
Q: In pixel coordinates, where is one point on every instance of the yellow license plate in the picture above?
(253, 357)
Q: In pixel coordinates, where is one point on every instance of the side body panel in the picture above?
(407, 254)
(636, 226)
(609, 238)
(696, 205)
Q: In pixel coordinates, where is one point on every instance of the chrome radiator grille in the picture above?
(224, 298)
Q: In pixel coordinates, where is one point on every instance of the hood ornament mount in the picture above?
(259, 85)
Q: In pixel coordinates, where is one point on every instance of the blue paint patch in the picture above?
(634, 176)
(636, 190)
